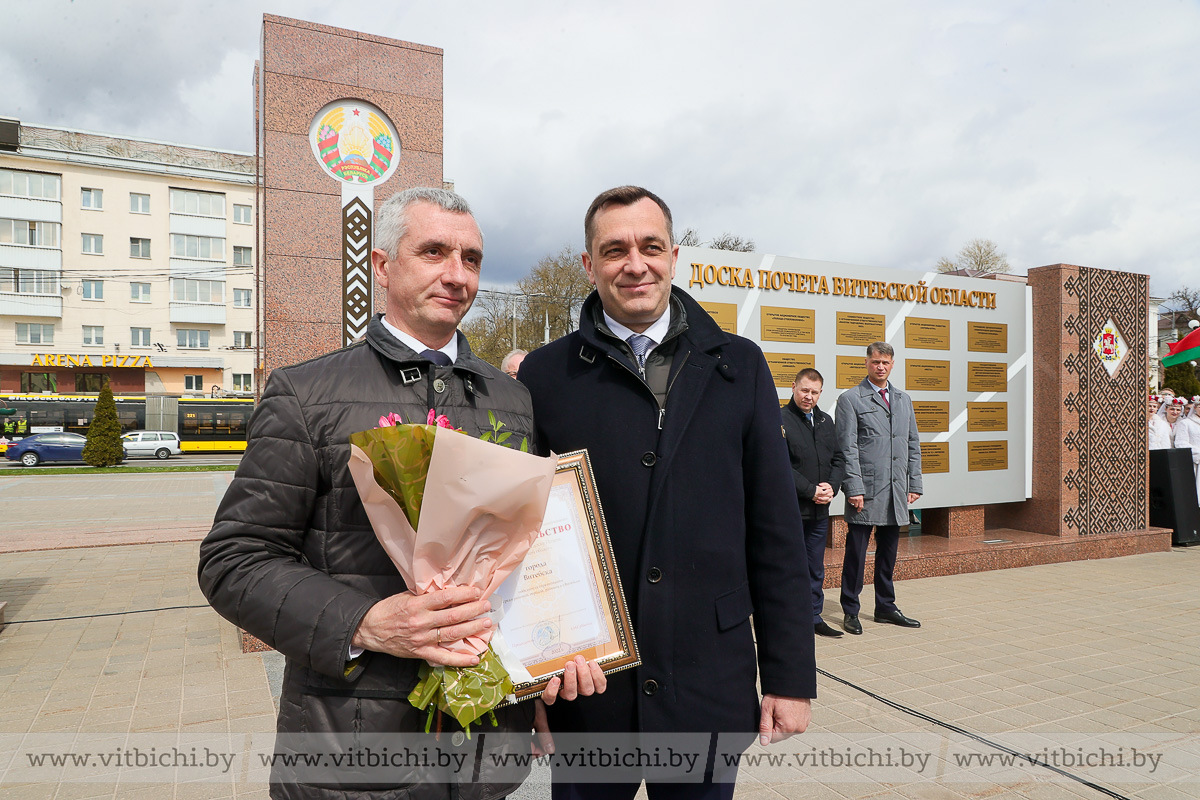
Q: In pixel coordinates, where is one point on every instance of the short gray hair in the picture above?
(510, 356)
(880, 349)
(392, 221)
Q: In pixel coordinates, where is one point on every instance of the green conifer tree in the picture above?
(1182, 378)
(103, 448)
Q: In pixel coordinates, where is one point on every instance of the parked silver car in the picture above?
(160, 444)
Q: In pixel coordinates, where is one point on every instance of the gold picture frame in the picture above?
(566, 597)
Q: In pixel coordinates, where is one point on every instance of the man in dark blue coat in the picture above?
(817, 470)
(682, 424)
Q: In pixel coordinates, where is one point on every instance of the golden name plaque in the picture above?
(986, 417)
(987, 337)
(927, 334)
(935, 457)
(933, 416)
(851, 370)
(926, 376)
(795, 325)
(784, 367)
(985, 456)
(987, 376)
(724, 314)
(860, 329)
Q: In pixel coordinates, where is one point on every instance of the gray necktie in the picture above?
(808, 416)
(640, 345)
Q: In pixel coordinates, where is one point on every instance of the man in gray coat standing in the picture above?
(877, 436)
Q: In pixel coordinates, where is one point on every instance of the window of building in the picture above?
(139, 248)
(243, 256)
(192, 338)
(93, 198)
(193, 383)
(39, 382)
(29, 184)
(187, 290)
(93, 290)
(210, 247)
(28, 281)
(241, 298)
(34, 234)
(139, 292)
(242, 339)
(93, 243)
(35, 333)
(241, 382)
(139, 203)
(139, 337)
(243, 215)
(201, 204)
(89, 381)
(93, 334)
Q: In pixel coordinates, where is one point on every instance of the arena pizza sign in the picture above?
(86, 360)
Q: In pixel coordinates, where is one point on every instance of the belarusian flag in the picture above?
(1186, 349)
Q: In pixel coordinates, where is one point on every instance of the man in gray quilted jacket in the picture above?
(292, 558)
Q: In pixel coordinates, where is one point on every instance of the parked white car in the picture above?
(160, 444)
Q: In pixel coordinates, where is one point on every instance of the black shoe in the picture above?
(851, 624)
(896, 618)
(823, 628)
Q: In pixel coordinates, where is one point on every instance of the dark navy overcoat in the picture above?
(703, 517)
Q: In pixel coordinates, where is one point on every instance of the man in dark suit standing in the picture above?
(817, 468)
(681, 421)
(877, 435)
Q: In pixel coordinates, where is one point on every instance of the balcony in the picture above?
(17, 304)
(27, 257)
(207, 313)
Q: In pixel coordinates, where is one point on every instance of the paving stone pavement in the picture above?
(108, 640)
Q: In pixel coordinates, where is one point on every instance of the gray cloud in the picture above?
(866, 132)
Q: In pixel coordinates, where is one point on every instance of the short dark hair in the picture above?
(621, 196)
(880, 349)
(811, 374)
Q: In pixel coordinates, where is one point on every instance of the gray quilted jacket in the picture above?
(292, 558)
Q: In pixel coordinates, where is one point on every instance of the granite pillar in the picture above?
(1089, 428)
(303, 67)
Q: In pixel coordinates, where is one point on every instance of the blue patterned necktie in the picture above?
(436, 356)
(640, 345)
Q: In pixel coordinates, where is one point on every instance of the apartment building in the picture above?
(126, 259)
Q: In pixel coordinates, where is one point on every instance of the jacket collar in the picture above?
(799, 412)
(383, 342)
(686, 316)
(868, 389)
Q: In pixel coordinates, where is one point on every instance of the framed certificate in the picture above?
(566, 598)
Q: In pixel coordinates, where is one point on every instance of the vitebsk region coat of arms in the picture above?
(355, 142)
(1110, 346)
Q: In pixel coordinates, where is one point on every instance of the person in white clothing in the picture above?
(1156, 425)
(1172, 411)
(1187, 434)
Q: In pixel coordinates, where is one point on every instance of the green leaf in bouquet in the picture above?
(400, 455)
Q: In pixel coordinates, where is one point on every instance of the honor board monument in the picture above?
(1029, 394)
(343, 120)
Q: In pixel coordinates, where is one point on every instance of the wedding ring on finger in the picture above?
(439, 635)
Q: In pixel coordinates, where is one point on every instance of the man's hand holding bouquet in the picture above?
(456, 516)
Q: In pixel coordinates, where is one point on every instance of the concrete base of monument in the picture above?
(999, 548)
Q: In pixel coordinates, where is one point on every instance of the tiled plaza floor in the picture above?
(1040, 659)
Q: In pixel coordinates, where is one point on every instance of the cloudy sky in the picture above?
(876, 133)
